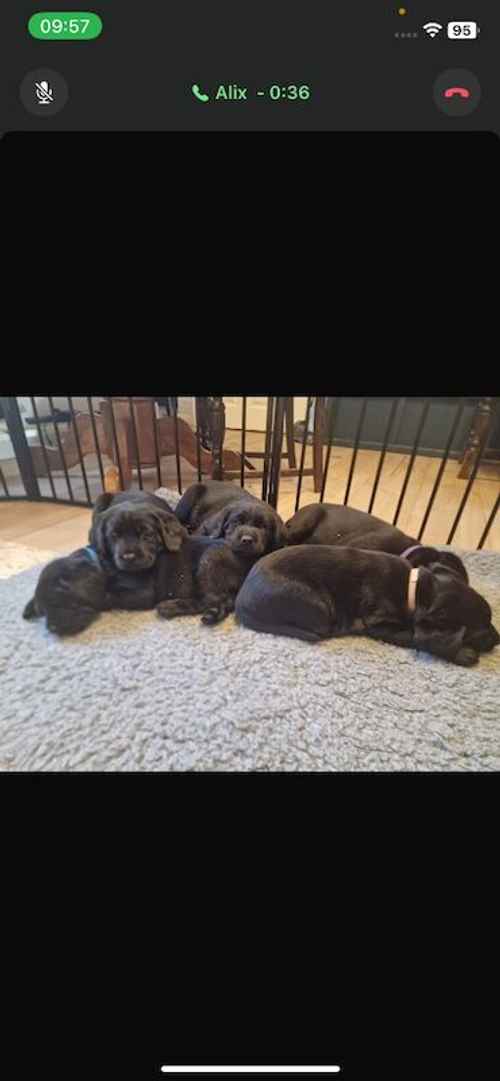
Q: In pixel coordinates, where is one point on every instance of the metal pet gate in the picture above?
(69, 450)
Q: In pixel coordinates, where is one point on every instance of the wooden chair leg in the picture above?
(290, 442)
(480, 425)
(319, 428)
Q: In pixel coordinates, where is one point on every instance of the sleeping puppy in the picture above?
(315, 592)
(332, 523)
(70, 593)
(130, 529)
(220, 509)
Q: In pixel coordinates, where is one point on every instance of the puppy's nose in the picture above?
(128, 555)
(246, 539)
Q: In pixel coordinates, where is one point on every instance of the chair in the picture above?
(317, 444)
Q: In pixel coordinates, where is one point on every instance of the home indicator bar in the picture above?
(304, 1070)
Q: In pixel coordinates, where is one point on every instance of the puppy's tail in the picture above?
(30, 612)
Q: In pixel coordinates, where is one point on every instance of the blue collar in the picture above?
(93, 554)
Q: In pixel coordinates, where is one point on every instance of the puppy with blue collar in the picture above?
(70, 593)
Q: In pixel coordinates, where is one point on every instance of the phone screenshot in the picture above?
(250, 65)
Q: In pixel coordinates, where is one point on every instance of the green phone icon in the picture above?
(198, 94)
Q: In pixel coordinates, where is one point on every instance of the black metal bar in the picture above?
(177, 455)
(17, 434)
(275, 472)
(4, 482)
(473, 475)
(329, 451)
(157, 444)
(357, 438)
(79, 449)
(303, 453)
(198, 443)
(96, 440)
(411, 463)
(61, 451)
(243, 439)
(439, 475)
(489, 523)
(116, 444)
(216, 430)
(383, 451)
(136, 442)
(44, 449)
(267, 446)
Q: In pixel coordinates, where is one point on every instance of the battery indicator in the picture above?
(463, 31)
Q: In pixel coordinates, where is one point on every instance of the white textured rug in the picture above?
(136, 693)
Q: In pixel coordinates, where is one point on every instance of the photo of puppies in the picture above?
(320, 591)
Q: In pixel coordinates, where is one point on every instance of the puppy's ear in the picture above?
(446, 644)
(172, 532)
(452, 564)
(455, 564)
(215, 526)
(280, 539)
(97, 536)
(103, 502)
(96, 532)
(31, 610)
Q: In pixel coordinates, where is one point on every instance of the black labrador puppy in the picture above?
(70, 593)
(130, 529)
(332, 523)
(220, 509)
(316, 592)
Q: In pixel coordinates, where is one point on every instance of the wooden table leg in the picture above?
(480, 426)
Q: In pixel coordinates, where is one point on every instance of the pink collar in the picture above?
(412, 588)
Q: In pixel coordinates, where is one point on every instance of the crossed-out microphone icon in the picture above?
(44, 93)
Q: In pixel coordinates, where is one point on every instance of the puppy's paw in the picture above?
(212, 615)
(467, 657)
(167, 609)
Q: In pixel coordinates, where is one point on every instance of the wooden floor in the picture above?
(59, 528)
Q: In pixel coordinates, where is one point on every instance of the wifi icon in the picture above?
(432, 29)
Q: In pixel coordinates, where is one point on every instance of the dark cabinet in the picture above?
(435, 433)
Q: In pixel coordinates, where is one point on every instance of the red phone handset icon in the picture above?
(460, 90)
